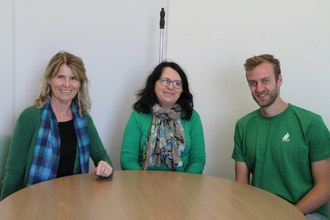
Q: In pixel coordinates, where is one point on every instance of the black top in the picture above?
(67, 149)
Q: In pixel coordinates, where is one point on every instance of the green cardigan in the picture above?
(137, 130)
(22, 149)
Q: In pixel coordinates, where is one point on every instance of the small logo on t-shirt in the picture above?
(286, 137)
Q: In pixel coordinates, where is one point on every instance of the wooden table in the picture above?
(145, 195)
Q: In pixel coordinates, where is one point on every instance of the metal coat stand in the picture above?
(161, 42)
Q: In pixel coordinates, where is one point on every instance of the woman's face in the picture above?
(64, 85)
(168, 88)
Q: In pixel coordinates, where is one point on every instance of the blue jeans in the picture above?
(316, 216)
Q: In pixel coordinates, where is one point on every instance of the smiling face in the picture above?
(64, 85)
(168, 95)
(263, 85)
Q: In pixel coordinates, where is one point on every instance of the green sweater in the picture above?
(137, 130)
(22, 149)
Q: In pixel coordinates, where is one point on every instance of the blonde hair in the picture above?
(254, 61)
(82, 99)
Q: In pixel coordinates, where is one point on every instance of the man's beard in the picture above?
(272, 96)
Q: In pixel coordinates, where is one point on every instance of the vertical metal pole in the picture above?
(161, 43)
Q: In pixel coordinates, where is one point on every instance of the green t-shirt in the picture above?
(279, 150)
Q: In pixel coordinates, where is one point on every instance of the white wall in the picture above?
(211, 39)
(6, 69)
(117, 39)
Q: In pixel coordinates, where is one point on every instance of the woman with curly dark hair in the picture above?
(164, 132)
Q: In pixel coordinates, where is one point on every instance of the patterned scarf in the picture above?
(166, 139)
(47, 150)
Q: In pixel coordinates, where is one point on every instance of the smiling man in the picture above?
(284, 148)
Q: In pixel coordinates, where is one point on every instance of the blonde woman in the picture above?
(56, 136)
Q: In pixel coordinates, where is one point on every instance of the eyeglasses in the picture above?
(166, 82)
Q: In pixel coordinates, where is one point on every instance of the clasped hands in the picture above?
(103, 169)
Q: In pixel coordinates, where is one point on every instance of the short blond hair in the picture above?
(254, 61)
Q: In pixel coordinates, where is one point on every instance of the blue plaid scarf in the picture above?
(47, 150)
